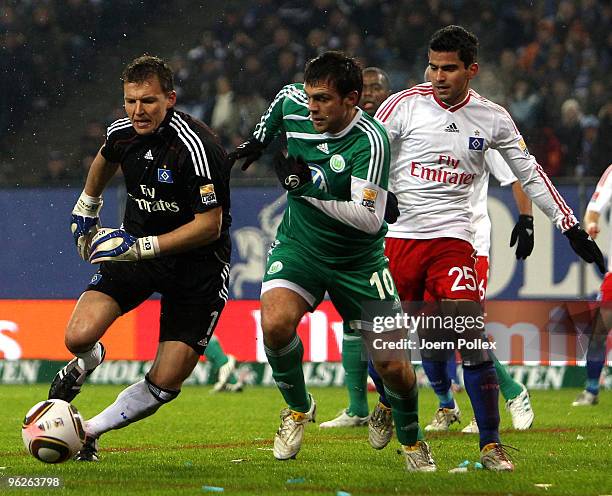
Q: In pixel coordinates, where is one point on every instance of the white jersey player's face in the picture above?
(449, 76)
(330, 112)
(147, 104)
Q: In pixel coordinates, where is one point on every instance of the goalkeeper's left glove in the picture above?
(585, 247)
(292, 172)
(522, 236)
(117, 245)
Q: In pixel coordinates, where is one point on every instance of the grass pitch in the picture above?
(225, 441)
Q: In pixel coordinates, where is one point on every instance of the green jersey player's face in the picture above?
(146, 104)
(329, 111)
(449, 76)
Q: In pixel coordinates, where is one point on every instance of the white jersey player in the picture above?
(596, 354)
(439, 132)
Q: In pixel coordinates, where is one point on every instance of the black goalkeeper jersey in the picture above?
(170, 175)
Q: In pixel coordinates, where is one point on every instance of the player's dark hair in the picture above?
(335, 68)
(456, 39)
(379, 72)
(142, 68)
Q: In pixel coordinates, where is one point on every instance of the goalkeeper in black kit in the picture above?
(174, 241)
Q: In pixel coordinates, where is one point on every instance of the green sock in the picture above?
(287, 371)
(356, 375)
(405, 409)
(507, 385)
(217, 358)
(214, 354)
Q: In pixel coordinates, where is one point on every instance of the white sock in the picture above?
(89, 360)
(133, 403)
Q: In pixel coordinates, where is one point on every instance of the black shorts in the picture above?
(193, 293)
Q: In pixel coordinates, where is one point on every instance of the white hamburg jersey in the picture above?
(438, 151)
(600, 201)
(494, 164)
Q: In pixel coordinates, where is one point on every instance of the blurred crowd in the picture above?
(547, 61)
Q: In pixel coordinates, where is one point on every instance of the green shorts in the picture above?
(357, 293)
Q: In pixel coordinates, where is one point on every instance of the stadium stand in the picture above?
(547, 61)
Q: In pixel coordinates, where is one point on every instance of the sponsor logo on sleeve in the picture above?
(164, 176)
(523, 146)
(207, 192)
(368, 199)
(476, 144)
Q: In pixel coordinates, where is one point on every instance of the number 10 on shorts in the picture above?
(384, 283)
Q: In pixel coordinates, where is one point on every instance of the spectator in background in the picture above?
(57, 172)
(562, 47)
(590, 126)
(225, 117)
(524, 106)
(603, 144)
(569, 133)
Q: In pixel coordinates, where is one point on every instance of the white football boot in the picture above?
(288, 438)
(225, 372)
(380, 426)
(586, 398)
(521, 411)
(494, 457)
(345, 420)
(444, 418)
(418, 458)
(471, 428)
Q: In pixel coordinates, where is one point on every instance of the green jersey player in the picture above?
(330, 239)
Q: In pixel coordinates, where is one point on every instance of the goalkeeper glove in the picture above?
(251, 150)
(116, 245)
(585, 247)
(85, 221)
(522, 236)
(391, 209)
(291, 172)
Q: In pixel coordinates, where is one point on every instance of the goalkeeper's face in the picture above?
(146, 104)
(329, 111)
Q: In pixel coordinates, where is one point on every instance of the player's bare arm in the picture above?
(523, 202)
(99, 175)
(204, 229)
(591, 223)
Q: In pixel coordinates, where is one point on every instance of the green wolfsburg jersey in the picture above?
(352, 165)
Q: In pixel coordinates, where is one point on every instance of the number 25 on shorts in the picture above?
(465, 278)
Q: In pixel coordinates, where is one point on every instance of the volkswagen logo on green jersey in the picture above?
(275, 267)
(336, 163)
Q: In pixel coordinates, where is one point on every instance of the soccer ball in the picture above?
(52, 431)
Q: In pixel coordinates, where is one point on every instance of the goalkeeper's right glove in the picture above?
(251, 150)
(85, 221)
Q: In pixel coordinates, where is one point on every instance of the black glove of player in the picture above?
(251, 150)
(585, 247)
(292, 172)
(391, 210)
(523, 234)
